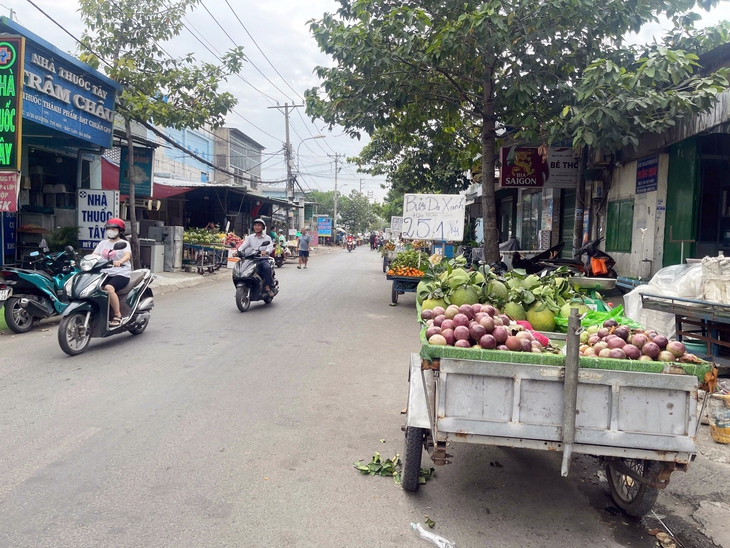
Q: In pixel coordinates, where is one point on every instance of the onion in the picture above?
(617, 354)
(448, 324)
(488, 341)
(661, 341)
(438, 320)
(487, 323)
(651, 349)
(500, 334)
(437, 340)
(632, 352)
(427, 315)
(448, 334)
(676, 348)
(461, 333)
(431, 331)
(461, 319)
(666, 356)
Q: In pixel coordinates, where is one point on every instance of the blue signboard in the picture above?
(143, 159)
(60, 95)
(647, 173)
(324, 227)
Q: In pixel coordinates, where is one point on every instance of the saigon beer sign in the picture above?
(11, 101)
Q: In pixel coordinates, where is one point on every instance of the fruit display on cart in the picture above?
(203, 237)
(412, 261)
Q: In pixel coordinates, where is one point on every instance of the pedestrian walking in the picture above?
(304, 241)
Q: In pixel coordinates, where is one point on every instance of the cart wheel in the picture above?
(385, 264)
(633, 497)
(394, 296)
(412, 458)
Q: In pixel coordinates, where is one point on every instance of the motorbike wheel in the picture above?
(17, 318)
(243, 298)
(72, 337)
(138, 329)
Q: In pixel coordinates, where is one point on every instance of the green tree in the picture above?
(356, 213)
(488, 67)
(325, 201)
(128, 37)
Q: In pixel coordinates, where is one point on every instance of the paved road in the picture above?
(216, 428)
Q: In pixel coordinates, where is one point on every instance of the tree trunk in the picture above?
(489, 209)
(580, 204)
(132, 211)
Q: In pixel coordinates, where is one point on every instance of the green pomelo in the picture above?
(458, 277)
(541, 318)
(514, 310)
(498, 290)
(565, 309)
(515, 283)
(421, 292)
(531, 281)
(464, 295)
(478, 278)
(430, 304)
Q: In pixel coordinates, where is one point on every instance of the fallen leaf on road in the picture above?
(666, 540)
(404, 411)
(382, 440)
(653, 532)
(266, 478)
(430, 522)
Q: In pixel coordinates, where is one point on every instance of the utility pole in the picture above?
(360, 186)
(289, 159)
(337, 157)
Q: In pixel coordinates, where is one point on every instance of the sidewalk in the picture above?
(165, 282)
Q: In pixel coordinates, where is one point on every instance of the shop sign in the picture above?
(95, 208)
(11, 101)
(9, 186)
(143, 161)
(396, 225)
(60, 95)
(8, 233)
(525, 167)
(324, 227)
(647, 172)
(434, 217)
(315, 237)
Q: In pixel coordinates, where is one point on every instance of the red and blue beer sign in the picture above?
(11, 101)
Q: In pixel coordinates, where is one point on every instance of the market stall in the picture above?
(493, 370)
(207, 251)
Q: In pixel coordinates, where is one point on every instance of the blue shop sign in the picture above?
(143, 160)
(647, 173)
(64, 94)
(324, 227)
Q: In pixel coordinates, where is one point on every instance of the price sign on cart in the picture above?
(434, 217)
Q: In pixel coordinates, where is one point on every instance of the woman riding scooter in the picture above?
(118, 275)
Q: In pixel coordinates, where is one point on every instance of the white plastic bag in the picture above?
(682, 280)
(716, 279)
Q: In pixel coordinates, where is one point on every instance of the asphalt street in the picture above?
(216, 428)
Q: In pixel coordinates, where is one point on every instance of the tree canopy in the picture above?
(469, 73)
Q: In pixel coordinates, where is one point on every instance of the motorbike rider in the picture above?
(255, 242)
(118, 276)
(282, 238)
(350, 239)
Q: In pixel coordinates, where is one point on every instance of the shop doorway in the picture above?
(567, 221)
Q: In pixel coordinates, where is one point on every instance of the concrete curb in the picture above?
(167, 282)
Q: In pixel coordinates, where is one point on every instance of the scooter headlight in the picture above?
(89, 289)
(67, 286)
(87, 263)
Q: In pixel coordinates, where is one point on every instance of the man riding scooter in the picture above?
(256, 241)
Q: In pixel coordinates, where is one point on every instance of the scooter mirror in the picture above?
(120, 245)
(267, 242)
(68, 249)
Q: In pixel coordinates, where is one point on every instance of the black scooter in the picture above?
(550, 260)
(249, 283)
(88, 313)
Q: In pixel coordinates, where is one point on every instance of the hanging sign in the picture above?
(95, 208)
(434, 217)
(9, 186)
(525, 167)
(11, 101)
(9, 235)
(396, 225)
(647, 172)
(143, 161)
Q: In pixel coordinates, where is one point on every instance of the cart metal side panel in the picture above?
(615, 408)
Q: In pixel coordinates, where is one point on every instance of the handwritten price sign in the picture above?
(9, 191)
(396, 225)
(434, 217)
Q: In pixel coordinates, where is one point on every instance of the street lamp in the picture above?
(307, 139)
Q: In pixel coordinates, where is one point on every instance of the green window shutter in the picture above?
(619, 224)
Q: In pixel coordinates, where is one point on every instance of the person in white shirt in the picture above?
(255, 242)
(118, 276)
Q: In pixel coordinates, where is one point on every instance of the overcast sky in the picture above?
(280, 29)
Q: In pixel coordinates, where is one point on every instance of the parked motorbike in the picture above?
(249, 283)
(280, 254)
(599, 264)
(31, 295)
(88, 312)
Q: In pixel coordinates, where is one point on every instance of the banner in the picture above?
(324, 227)
(647, 173)
(9, 236)
(143, 161)
(9, 187)
(11, 101)
(525, 167)
(434, 217)
(95, 208)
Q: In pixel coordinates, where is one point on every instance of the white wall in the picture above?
(646, 216)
